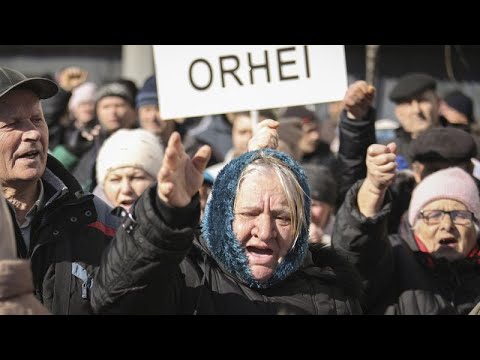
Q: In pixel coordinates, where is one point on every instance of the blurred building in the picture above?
(103, 62)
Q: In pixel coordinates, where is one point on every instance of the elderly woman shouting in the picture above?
(127, 164)
(433, 265)
(252, 256)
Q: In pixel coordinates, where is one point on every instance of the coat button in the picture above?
(73, 219)
(88, 213)
(56, 232)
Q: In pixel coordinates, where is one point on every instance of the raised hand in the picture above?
(180, 176)
(358, 99)
(265, 135)
(71, 77)
(381, 165)
(381, 172)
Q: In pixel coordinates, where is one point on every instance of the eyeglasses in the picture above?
(458, 217)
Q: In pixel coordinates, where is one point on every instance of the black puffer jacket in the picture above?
(399, 278)
(85, 171)
(152, 268)
(67, 239)
(355, 138)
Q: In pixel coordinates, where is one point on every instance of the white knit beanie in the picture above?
(452, 183)
(82, 93)
(136, 148)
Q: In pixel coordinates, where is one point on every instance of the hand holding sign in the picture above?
(265, 135)
(230, 78)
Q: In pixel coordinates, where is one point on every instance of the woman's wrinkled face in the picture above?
(124, 185)
(262, 223)
(442, 237)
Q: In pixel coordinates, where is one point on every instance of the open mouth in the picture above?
(255, 251)
(127, 203)
(29, 155)
(450, 242)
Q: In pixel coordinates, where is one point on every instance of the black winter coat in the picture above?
(355, 138)
(67, 239)
(399, 278)
(152, 268)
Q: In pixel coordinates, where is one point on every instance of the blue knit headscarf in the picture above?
(217, 223)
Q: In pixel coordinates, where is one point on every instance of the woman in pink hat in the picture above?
(433, 267)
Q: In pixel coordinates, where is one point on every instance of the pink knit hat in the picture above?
(452, 183)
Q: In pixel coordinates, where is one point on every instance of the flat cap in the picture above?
(443, 144)
(411, 85)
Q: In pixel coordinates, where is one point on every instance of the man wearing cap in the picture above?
(115, 109)
(59, 228)
(416, 108)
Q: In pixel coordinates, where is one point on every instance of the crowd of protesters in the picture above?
(106, 208)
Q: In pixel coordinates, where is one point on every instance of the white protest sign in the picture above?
(195, 80)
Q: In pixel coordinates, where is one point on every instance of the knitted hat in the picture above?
(82, 93)
(115, 88)
(217, 222)
(137, 148)
(452, 183)
(148, 93)
(462, 103)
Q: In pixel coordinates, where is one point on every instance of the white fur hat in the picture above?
(137, 148)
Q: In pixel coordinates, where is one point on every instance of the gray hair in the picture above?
(290, 185)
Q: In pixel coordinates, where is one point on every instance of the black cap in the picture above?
(12, 79)
(412, 85)
(444, 144)
(323, 186)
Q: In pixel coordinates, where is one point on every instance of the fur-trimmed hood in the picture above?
(217, 227)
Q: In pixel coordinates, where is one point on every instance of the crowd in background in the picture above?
(128, 213)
